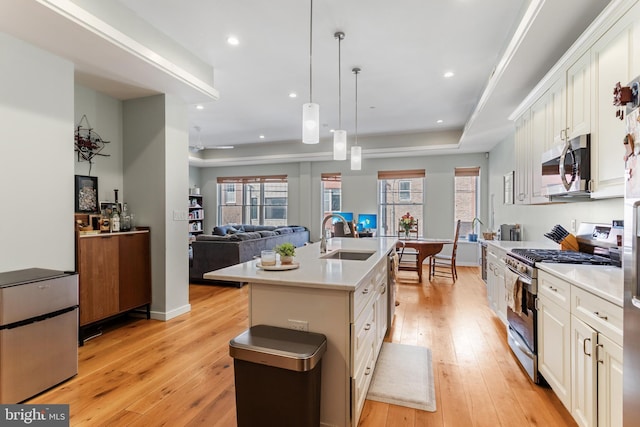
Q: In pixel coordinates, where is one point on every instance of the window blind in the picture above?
(251, 179)
(403, 174)
(475, 171)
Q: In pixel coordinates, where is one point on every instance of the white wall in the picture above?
(104, 114)
(156, 178)
(539, 219)
(36, 158)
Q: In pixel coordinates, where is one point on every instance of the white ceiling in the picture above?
(403, 48)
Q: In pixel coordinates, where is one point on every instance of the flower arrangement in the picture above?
(406, 222)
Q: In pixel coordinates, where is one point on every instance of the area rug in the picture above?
(404, 376)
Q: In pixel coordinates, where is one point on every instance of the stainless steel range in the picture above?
(522, 328)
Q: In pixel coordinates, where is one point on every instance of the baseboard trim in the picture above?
(168, 315)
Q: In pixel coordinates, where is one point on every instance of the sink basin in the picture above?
(348, 255)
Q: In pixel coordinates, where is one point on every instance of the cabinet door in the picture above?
(98, 263)
(135, 270)
(554, 348)
(609, 383)
(541, 137)
(501, 294)
(557, 109)
(579, 97)
(611, 64)
(523, 159)
(583, 373)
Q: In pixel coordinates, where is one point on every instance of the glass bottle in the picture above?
(125, 218)
(115, 220)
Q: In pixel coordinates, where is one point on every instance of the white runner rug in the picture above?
(404, 376)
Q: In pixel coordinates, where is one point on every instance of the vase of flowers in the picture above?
(406, 223)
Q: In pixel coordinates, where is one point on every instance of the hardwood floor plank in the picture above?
(179, 373)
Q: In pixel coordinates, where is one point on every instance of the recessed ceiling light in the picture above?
(439, 121)
(448, 74)
(199, 107)
(261, 137)
(293, 95)
(233, 40)
(222, 147)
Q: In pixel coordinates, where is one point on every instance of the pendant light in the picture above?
(340, 135)
(356, 150)
(310, 111)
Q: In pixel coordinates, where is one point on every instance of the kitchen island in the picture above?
(346, 300)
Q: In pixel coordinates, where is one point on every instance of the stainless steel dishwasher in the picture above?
(38, 331)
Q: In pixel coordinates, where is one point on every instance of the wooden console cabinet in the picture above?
(115, 274)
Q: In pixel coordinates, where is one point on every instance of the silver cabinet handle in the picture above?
(365, 291)
(368, 370)
(367, 327)
(598, 353)
(584, 346)
(602, 316)
(552, 289)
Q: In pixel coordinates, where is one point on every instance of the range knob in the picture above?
(522, 268)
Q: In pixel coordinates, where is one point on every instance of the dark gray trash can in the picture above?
(277, 374)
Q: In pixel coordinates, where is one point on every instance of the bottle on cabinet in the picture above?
(125, 218)
(115, 221)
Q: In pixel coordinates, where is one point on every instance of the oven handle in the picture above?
(524, 279)
(521, 347)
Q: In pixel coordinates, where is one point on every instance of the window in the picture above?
(404, 190)
(230, 190)
(258, 200)
(331, 193)
(466, 197)
(400, 192)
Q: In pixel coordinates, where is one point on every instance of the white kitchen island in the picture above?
(346, 300)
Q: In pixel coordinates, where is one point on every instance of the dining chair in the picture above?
(408, 257)
(445, 265)
(338, 230)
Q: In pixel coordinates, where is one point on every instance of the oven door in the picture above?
(525, 323)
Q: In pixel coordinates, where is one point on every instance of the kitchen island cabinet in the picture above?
(346, 300)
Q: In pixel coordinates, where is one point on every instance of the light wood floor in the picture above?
(179, 373)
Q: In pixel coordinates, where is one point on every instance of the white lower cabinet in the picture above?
(496, 291)
(580, 351)
(554, 349)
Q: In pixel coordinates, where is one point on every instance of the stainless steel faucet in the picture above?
(323, 240)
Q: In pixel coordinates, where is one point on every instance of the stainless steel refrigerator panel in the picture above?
(37, 356)
(27, 300)
(631, 347)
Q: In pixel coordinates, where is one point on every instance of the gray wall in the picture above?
(538, 219)
(36, 158)
(359, 188)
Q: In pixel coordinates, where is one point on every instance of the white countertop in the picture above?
(315, 272)
(607, 282)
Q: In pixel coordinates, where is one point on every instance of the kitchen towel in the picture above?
(514, 291)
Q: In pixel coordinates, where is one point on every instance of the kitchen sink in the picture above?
(348, 255)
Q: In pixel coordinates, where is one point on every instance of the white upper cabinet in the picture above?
(579, 97)
(541, 139)
(611, 59)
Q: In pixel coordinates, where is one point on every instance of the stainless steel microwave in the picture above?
(566, 169)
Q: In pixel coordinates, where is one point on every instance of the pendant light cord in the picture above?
(356, 71)
(340, 37)
(311, 54)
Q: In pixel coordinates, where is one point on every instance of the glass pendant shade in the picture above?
(310, 123)
(356, 158)
(340, 145)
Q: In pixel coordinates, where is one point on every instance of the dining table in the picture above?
(425, 247)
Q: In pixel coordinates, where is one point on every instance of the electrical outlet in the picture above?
(573, 225)
(180, 215)
(299, 325)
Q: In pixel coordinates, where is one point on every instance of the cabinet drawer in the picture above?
(363, 295)
(364, 337)
(601, 315)
(554, 289)
(361, 381)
